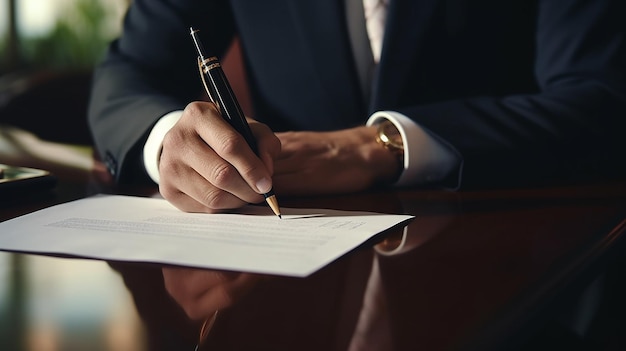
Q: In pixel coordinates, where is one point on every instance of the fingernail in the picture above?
(264, 185)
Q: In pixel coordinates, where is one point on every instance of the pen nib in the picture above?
(270, 198)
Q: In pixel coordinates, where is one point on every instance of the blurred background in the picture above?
(49, 49)
(60, 34)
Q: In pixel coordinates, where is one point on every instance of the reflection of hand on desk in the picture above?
(201, 291)
(504, 262)
(204, 294)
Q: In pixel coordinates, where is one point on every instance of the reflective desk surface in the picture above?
(487, 270)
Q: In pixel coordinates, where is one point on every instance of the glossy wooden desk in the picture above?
(474, 271)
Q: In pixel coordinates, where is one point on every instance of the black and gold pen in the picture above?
(222, 95)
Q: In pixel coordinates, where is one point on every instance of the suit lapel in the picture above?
(408, 22)
(323, 28)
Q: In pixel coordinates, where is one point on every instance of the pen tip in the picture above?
(280, 216)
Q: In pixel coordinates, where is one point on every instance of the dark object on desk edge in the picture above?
(24, 180)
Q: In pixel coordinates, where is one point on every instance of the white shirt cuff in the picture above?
(154, 143)
(427, 159)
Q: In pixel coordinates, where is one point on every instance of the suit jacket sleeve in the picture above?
(149, 71)
(570, 129)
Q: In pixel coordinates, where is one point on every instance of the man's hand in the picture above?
(206, 166)
(350, 160)
(201, 292)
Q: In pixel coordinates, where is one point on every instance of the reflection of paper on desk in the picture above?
(151, 230)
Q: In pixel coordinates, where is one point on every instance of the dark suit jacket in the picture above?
(527, 91)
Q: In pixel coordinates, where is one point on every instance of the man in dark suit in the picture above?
(481, 92)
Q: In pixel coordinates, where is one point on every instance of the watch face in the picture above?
(391, 137)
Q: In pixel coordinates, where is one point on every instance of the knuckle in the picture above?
(193, 109)
(172, 139)
(214, 199)
(197, 109)
(222, 174)
(169, 173)
(231, 143)
(166, 164)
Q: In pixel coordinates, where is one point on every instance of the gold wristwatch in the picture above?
(390, 138)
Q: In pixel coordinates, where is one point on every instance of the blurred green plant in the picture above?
(77, 40)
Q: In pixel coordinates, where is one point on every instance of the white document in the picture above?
(138, 229)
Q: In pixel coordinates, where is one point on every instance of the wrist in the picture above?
(386, 164)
